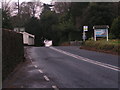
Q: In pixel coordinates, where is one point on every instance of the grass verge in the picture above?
(111, 46)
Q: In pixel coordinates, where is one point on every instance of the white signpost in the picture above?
(85, 28)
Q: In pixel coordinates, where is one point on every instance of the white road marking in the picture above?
(88, 60)
(21, 86)
(40, 71)
(46, 78)
(35, 66)
(30, 58)
(55, 87)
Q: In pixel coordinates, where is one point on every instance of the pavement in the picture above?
(26, 75)
(65, 67)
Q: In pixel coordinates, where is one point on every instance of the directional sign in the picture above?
(85, 28)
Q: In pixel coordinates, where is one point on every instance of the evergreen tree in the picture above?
(115, 28)
(6, 20)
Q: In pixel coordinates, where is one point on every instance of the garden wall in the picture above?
(12, 51)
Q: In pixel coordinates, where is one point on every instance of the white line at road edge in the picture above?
(35, 66)
(40, 71)
(88, 60)
(55, 87)
(46, 78)
(22, 87)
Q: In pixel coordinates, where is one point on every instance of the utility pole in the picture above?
(18, 7)
(18, 16)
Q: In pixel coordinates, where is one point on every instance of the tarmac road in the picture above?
(71, 67)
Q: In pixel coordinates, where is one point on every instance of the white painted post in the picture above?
(94, 34)
(107, 34)
(84, 35)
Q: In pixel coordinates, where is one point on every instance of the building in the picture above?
(28, 39)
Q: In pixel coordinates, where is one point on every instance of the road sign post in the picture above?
(85, 28)
(94, 35)
(107, 34)
(84, 36)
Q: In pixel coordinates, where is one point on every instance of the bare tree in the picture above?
(6, 6)
(28, 7)
(61, 7)
(26, 11)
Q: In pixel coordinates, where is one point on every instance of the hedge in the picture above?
(12, 51)
(103, 45)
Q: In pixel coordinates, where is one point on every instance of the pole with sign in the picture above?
(85, 28)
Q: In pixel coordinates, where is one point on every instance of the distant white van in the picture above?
(48, 43)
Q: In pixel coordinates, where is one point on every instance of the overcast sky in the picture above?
(44, 1)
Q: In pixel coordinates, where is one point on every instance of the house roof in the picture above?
(28, 34)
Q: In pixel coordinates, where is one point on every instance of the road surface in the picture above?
(71, 67)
